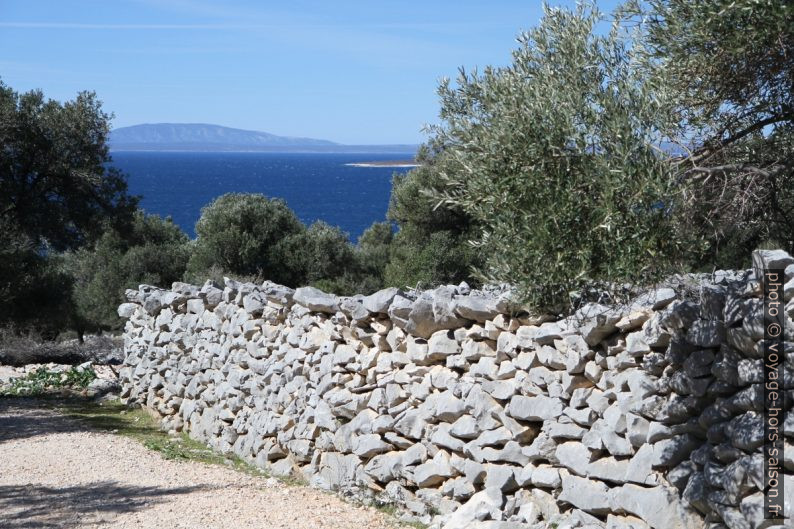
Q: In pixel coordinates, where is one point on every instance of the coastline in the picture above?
(407, 165)
(385, 163)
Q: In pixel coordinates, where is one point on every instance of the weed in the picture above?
(42, 380)
(136, 423)
(391, 510)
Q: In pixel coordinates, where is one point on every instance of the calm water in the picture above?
(315, 186)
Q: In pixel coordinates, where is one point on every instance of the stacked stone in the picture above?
(445, 404)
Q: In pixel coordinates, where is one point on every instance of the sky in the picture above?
(354, 72)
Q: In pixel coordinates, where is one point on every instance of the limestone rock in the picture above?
(433, 472)
(546, 476)
(441, 345)
(448, 407)
(534, 408)
(126, 310)
(770, 259)
(483, 505)
(316, 300)
(596, 322)
(586, 494)
(660, 507)
(574, 456)
(385, 467)
(369, 445)
(705, 333)
(353, 308)
(380, 301)
(477, 307)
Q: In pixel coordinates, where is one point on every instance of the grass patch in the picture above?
(392, 511)
(137, 424)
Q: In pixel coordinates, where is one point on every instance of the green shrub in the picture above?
(432, 245)
(154, 252)
(322, 252)
(34, 289)
(426, 259)
(244, 234)
(373, 253)
(251, 236)
(42, 380)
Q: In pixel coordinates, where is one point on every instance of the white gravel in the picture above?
(54, 473)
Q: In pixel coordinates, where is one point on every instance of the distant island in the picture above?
(386, 163)
(205, 137)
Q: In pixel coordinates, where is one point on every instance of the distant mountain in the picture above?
(205, 137)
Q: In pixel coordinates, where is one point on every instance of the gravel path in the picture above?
(54, 473)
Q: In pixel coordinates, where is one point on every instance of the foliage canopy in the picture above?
(729, 69)
(54, 185)
(154, 252)
(243, 234)
(554, 159)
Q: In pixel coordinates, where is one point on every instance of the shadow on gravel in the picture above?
(23, 418)
(36, 420)
(29, 506)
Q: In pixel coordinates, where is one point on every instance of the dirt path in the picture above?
(54, 473)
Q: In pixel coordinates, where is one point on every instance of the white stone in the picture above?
(574, 456)
(380, 301)
(433, 472)
(369, 445)
(485, 504)
(441, 345)
(660, 507)
(586, 494)
(534, 408)
(316, 300)
(546, 476)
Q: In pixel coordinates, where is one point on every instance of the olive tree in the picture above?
(57, 192)
(432, 244)
(729, 67)
(556, 160)
(55, 185)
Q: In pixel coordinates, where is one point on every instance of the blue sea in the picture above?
(315, 186)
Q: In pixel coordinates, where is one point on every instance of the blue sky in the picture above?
(357, 72)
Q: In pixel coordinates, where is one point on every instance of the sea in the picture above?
(316, 186)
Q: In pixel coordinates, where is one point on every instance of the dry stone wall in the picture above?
(465, 415)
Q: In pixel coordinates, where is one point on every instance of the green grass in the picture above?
(392, 511)
(117, 418)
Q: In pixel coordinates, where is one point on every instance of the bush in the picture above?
(42, 380)
(426, 259)
(244, 234)
(247, 235)
(34, 290)
(154, 252)
(432, 244)
(319, 255)
(373, 253)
